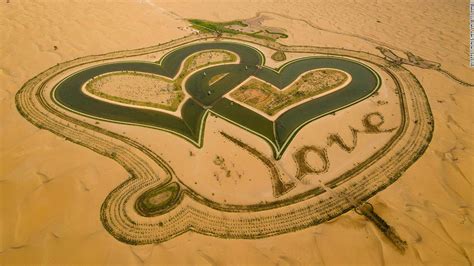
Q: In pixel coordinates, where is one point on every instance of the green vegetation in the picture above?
(157, 200)
(205, 26)
(265, 97)
(216, 78)
(303, 167)
(279, 56)
(281, 35)
(204, 59)
(219, 27)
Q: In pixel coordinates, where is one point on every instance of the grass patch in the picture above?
(216, 78)
(279, 56)
(282, 35)
(205, 26)
(208, 26)
(157, 200)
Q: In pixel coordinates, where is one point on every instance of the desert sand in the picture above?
(51, 190)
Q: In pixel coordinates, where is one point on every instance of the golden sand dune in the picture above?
(51, 190)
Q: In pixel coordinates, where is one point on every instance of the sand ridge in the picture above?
(430, 205)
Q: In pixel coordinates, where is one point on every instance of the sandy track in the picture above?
(58, 222)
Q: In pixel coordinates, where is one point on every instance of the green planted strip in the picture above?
(158, 200)
(205, 26)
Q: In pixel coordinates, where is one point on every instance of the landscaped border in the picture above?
(199, 214)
